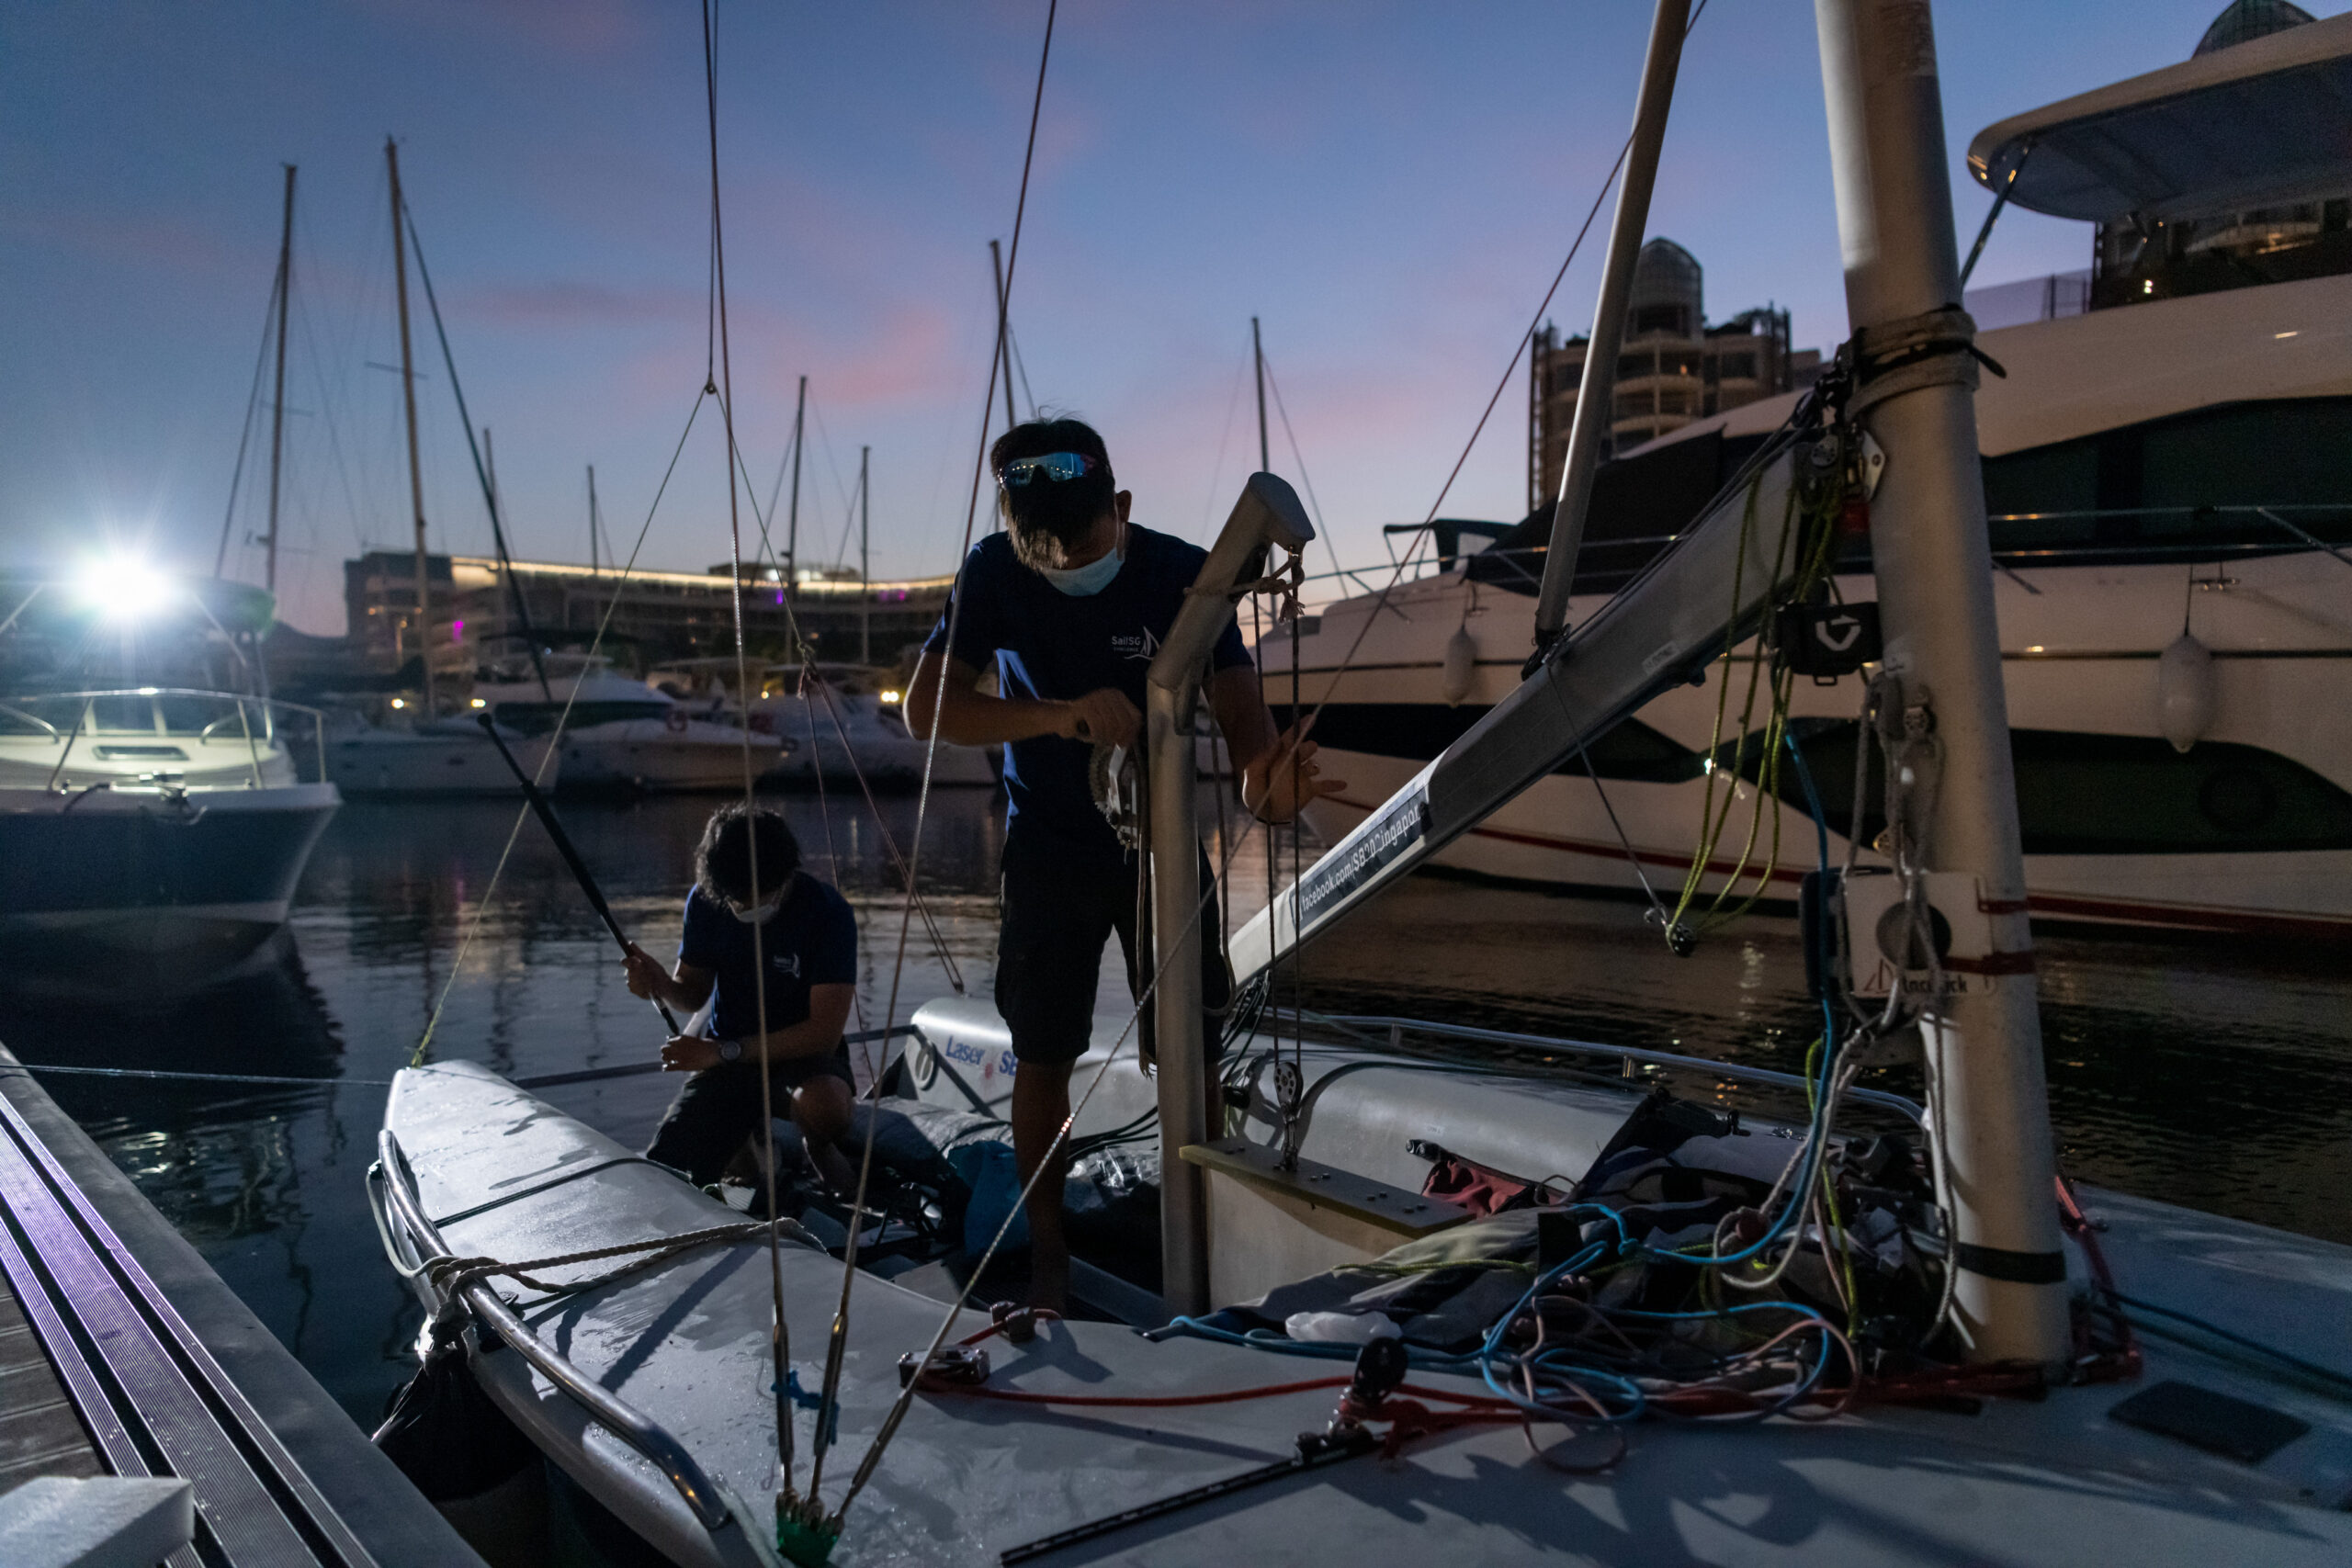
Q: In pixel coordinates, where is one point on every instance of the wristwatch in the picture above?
(730, 1050)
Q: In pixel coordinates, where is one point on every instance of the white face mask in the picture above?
(1085, 581)
(754, 917)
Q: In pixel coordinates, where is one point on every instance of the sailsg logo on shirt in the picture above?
(1142, 645)
(785, 963)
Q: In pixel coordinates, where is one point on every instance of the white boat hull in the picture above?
(2081, 646)
(121, 892)
(664, 756)
(393, 763)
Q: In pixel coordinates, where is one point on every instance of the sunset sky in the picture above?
(1390, 186)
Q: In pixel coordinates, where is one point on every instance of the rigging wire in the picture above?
(931, 751)
(1300, 458)
(780, 1344)
(244, 436)
(555, 743)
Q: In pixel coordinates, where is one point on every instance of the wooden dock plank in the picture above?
(40, 1434)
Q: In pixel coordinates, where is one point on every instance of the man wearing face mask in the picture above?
(754, 916)
(1070, 603)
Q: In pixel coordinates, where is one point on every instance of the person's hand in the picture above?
(1104, 717)
(646, 976)
(1282, 781)
(689, 1053)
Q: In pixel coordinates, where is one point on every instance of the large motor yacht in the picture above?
(2167, 462)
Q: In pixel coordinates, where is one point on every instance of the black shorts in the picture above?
(718, 1106)
(1060, 901)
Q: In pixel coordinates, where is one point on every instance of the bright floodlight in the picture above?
(122, 588)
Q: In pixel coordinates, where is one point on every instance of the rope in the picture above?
(451, 1275)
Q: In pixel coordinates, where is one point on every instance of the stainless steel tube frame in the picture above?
(1267, 514)
(663, 1451)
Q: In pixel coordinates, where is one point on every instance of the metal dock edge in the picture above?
(171, 1374)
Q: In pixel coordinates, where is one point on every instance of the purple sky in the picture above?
(1390, 186)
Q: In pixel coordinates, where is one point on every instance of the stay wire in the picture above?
(780, 1343)
(245, 436)
(554, 741)
(931, 752)
(805, 651)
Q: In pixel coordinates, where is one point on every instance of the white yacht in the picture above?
(151, 836)
(433, 757)
(2169, 473)
(620, 733)
(840, 722)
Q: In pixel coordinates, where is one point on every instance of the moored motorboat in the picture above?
(619, 733)
(439, 757)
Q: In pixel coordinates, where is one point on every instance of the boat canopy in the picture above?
(2264, 123)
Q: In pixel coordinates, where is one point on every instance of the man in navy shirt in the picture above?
(752, 910)
(1068, 605)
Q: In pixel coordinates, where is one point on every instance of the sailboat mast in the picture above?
(408, 398)
(592, 519)
(1258, 361)
(865, 557)
(1004, 333)
(277, 397)
(1915, 384)
(792, 528)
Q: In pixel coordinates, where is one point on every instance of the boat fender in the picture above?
(445, 1433)
(2188, 692)
(1461, 666)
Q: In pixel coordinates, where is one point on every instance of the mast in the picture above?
(278, 399)
(1914, 394)
(1258, 361)
(792, 531)
(1596, 399)
(506, 563)
(1003, 332)
(592, 519)
(865, 558)
(408, 396)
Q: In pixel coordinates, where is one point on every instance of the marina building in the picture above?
(657, 616)
(1672, 370)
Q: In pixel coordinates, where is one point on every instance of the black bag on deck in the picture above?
(446, 1434)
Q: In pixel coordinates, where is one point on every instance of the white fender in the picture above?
(1461, 666)
(2188, 692)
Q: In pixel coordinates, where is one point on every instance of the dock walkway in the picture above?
(123, 1353)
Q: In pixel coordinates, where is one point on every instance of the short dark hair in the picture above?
(723, 860)
(1062, 510)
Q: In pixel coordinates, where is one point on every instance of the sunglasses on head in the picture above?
(1054, 466)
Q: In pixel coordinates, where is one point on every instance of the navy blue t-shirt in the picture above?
(1053, 647)
(811, 940)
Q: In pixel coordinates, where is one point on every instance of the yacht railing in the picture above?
(263, 711)
(1526, 563)
(1398, 1029)
(390, 1173)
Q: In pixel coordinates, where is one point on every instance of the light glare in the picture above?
(122, 589)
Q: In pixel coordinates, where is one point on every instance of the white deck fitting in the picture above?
(2051, 1483)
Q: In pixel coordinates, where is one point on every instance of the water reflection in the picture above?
(2219, 1079)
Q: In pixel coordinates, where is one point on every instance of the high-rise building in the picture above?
(1672, 368)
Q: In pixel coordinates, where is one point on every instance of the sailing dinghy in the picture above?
(1409, 1310)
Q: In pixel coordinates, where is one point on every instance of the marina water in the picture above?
(2215, 1076)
